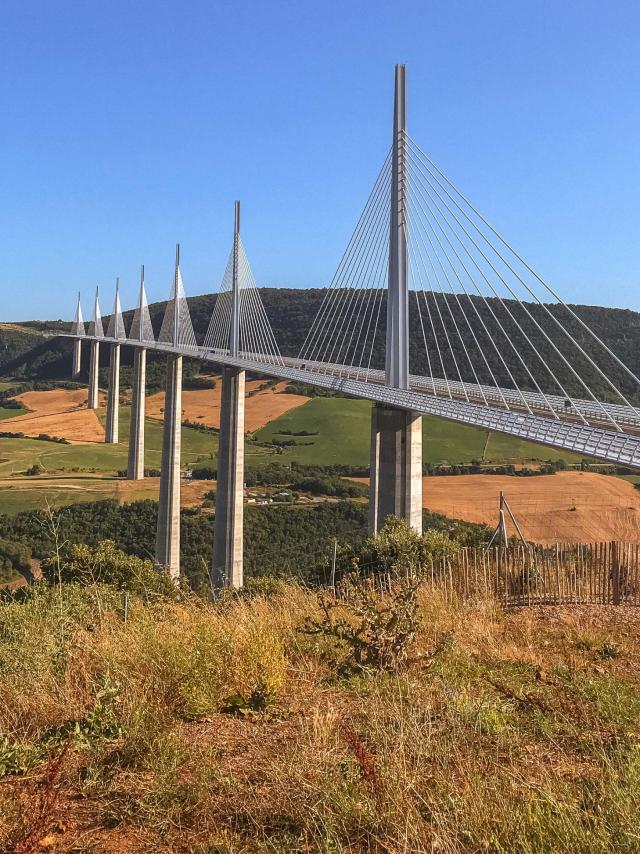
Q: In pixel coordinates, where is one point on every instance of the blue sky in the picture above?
(128, 126)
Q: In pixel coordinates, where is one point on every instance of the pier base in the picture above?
(395, 487)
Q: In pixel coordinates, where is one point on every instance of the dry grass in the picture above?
(506, 732)
(202, 406)
(59, 412)
(567, 507)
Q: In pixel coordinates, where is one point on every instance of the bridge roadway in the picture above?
(564, 432)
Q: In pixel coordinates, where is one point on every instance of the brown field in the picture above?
(203, 405)
(566, 507)
(59, 412)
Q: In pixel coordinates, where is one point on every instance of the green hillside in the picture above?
(341, 431)
(24, 351)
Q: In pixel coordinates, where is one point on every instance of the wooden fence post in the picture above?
(615, 573)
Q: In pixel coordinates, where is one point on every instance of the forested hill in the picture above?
(25, 351)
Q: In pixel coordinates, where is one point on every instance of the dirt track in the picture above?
(59, 412)
(203, 406)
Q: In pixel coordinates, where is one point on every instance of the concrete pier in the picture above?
(94, 364)
(168, 532)
(135, 466)
(228, 526)
(113, 397)
(77, 359)
(396, 467)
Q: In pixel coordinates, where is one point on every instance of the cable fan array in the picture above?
(483, 326)
(256, 338)
(257, 342)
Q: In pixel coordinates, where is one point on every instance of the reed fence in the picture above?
(592, 573)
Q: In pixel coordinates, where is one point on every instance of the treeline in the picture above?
(291, 312)
(274, 474)
(282, 541)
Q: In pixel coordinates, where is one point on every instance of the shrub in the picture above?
(106, 564)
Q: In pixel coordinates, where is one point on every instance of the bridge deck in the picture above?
(564, 430)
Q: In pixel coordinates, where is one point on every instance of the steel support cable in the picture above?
(356, 258)
(544, 284)
(431, 322)
(335, 323)
(248, 326)
(470, 327)
(428, 198)
(248, 321)
(416, 237)
(261, 343)
(224, 298)
(379, 270)
(272, 348)
(426, 347)
(426, 223)
(375, 332)
(372, 250)
(345, 256)
(336, 292)
(215, 331)
(444, 328)
(577, 376)
(529, 290)
(372, 275)
(427, 227)
(247, 343)
(421, 245)
(222, 330)
(353, 245)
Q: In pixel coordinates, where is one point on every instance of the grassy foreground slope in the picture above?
(342, 429)
(234, 728)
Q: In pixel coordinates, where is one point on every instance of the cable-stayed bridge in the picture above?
(427, 280)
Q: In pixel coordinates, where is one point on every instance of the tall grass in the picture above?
(186, 726)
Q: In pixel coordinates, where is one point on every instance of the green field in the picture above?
(6, 412)
(343, 430)
(344, 434)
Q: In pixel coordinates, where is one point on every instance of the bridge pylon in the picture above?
(227, 566)
(395, 486)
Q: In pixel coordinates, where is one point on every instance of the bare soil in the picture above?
(59, 412)
(568, 507)
(202, 406)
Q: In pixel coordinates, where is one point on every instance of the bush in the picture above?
(106, 564)
(14, 557)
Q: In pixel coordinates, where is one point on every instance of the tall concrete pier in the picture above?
(168, 532)
(94, 364)
(135, 465)
(396, 467)
(227, 568)
(113, 397)
(396, 435)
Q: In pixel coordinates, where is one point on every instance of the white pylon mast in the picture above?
(397, 356)
(234, 331)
